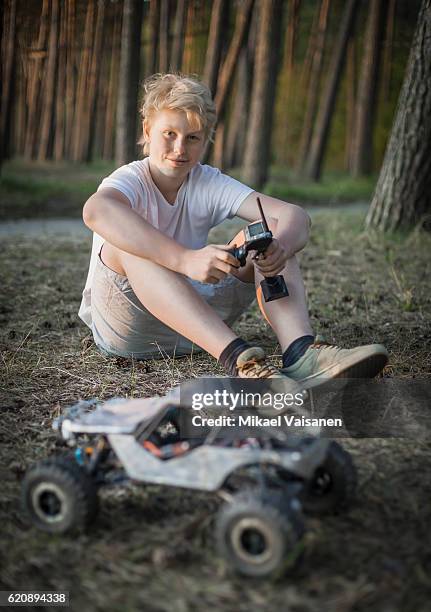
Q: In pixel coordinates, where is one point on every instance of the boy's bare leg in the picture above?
(171, 299)
(287, 316)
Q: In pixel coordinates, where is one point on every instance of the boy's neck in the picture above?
(167, 186)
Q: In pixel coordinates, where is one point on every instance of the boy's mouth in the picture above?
(178, 162)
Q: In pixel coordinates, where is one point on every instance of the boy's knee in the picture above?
(297, 231)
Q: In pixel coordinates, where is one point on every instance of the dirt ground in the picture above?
(151, 548)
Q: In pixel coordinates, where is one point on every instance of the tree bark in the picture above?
(127, 111)
(321, 131)
(387, 52)
(179, 31)
(154, 18)
(350, 104)
(217, 30)
(313, 86)
(235, 142)
(286, 78)
(50, 85)
(8, 80)
(225, 77)
(70, 76)
(164, 36)
(82, 86)
(309, 53)
(403, 193)
(93, 83)
(362, 153)
(34, 88)
(59, 123)
(108, 141)
(258, 144)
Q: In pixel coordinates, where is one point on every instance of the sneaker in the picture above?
(322, 361)
(252, 363)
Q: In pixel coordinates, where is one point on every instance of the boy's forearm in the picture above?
(125, 229)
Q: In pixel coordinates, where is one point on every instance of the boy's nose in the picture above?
(180, 146)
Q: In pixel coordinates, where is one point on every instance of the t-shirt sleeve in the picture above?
(225, 194)
(125, 180)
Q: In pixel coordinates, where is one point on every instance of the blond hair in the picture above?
(178, 92)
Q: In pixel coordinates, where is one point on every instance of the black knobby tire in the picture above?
(59, 496)
(259, 535)
(333, 485)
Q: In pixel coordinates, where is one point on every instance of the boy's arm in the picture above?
(109, 213)
(292, 220)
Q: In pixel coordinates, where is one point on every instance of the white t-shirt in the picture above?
(206, 198)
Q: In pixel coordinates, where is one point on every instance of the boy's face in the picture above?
(175, 144)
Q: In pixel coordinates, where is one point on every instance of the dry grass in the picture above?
(151, 548)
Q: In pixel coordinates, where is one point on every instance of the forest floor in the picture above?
(151, 548)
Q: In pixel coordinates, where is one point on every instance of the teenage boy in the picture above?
(154, 285)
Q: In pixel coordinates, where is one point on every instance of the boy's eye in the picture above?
(194, 137)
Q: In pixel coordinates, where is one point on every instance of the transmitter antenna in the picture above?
(264, 223)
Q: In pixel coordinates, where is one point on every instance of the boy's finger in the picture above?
(228, 258)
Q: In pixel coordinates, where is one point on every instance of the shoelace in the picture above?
(322, 343)
(262, 369)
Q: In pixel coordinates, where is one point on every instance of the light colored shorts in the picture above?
(122, 326)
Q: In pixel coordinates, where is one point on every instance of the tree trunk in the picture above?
(164, 36)
(154, 18)
(387, 51)
(70, 77)
(225, 77)
(326, 110)
(49, 85)
(217, 30)
(179, 31)
(403, 192)
(235, 142)
(362, 154)
(309, 53)
(7, 79)
(258, 147)
(108, 141)
(82, 87)
(286, 77)
(19, 115)
(93, 83)
(34, 88)
(219, 145)
(59, 123)
(313, 86)
(350, 104)
(125, 146)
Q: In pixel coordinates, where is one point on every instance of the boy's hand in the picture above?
(210, 264)
(273, 261)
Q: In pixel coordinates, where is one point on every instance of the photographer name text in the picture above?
(258, 421)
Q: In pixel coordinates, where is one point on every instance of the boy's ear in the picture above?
(146, 131)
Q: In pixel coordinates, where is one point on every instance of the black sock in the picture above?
(231, 353)
(296, 349)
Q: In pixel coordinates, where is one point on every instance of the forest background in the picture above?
(71, 73)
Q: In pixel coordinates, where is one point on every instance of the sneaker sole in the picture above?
(366, 368)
